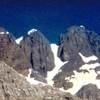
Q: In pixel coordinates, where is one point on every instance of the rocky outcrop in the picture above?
(13, 86)
(89, 92)
(38, 51)
(11, 53)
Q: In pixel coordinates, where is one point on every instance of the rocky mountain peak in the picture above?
(78, 39)
(37, 49)
(36, 35)
(80, 47)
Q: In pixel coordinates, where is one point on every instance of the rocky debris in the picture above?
(38, 51)
(11, 53)
(89, 92)
(13, 86)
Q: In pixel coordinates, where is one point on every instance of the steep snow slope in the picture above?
(58, 65)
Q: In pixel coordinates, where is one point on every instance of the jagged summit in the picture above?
(37, 49)
(37, 36)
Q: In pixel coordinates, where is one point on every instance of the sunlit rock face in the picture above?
(81, 50)
(11, 53)
(39, 54)
(14, 86)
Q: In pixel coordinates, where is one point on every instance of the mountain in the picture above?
(53, 70)
(37, 50)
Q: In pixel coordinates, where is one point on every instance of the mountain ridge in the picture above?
(74, 62)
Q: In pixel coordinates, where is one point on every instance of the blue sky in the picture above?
(49, 16)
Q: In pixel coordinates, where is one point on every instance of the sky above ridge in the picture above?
(51, 17)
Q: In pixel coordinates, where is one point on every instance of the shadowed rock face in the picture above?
(76, 40)
(89, 92)
(12, 54)
(38, 51)
(14, 86)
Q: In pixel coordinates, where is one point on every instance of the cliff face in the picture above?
(14, 86)
(78, 39)
(11, 53)
(34, 53)
(37, 50)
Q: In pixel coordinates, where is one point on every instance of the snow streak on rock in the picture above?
(19, 40)
(58, 65)
(88, 59)
(83, 78)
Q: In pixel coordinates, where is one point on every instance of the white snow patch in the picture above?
(88, 59)
(82, 26)
(19, 40)
(7, 32)
(82, 78)
(31, 31)
(4, 32)
(32, 80)
(58, 65)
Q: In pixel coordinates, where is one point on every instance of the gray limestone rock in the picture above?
(38, 51)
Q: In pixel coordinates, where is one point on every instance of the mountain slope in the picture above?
(13, 86)
(82, 65)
